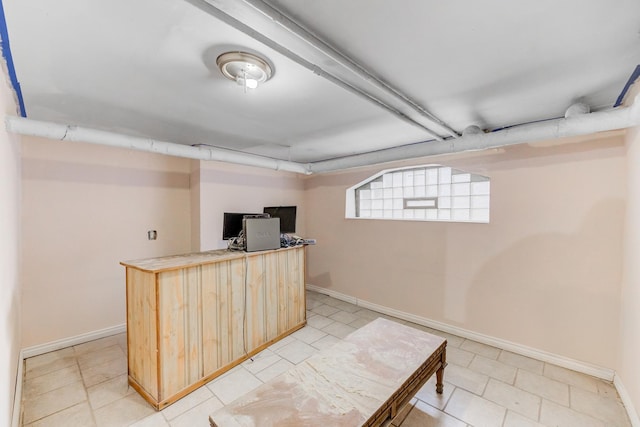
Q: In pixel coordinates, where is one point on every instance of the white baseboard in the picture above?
(565, 362)
(68, 342)
(626, 401)
(17, 398)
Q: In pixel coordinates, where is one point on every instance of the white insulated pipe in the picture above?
(575, 125)
(60, 132)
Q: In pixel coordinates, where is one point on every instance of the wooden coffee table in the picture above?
(364, 380)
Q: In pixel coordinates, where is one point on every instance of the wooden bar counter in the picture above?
(192, 317)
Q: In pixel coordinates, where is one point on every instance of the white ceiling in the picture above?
(147, 67)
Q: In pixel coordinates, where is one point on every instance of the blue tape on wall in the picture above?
(6, 54)
(633, 78)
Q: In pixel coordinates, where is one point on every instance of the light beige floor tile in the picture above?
(556, 415)
(325, 342)
(402, 414)
(103, 372)
(76, 416)
(319, 321)
(365, 313)
(338, 330)
(274, 370)
(279, 344)
(109, 391)
(512, 398)
(260, 361)
(428, 393)
(452, 340)
(325, 310)
(51, 381)
(296, 352)
(308, 334)
(516, 420)
(359, 323)
(570, 377)
(123, 412)
(542, 386)
(610, 410)
(522, 362)
(423, 415)
(98, 357)
(343, 305)
(607, 389)
(481, 349)
(313, 303)
(122, 341)
(49, 362)
(95, 345)
(234, 385)
(198, 416)
(459, 357)
(155, 420)
(344, 317)
(494, 369)
(475, 410)
(53, 401)
(466, 378)
(188, 402)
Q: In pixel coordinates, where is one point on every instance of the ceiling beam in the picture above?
(273, 28)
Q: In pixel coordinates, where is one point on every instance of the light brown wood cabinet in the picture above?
(192, 317)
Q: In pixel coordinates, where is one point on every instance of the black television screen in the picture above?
(287, 215)
(232, 225)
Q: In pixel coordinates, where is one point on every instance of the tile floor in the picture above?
(86, 385)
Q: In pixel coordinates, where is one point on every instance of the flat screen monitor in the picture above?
(232, 225)
(287, 215)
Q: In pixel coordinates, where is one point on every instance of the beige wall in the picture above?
(628, 370)
(544, 273)
(85, 209)
(9, 257)
(224, 187)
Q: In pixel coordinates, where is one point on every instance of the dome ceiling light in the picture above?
(244, 68)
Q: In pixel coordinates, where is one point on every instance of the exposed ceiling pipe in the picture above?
(273, 28)
(581, 124)
(60, 132)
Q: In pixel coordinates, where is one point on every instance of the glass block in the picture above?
(432, 191)
(431, 176)
(444, 213)
(482, 187)
(407, 179)
(444, 175)
(461, 189)
(387, 180)
(460, 214)
(365, 214)
(432, 214)
(388, 204)
(397, 192)
(375, 185)
(388, 214)
(408, 214)
(377, 204)
(408, 192)
(376, 213)
(461, 177)
(397, 213)
(419, 191)
(376, 194)
(480, 202)
(480, 215)
(365, 204)
(420, 213)
(444, 190)
(387, 193)
(459, 202)
(398, 204)
(397, 179)
(419, 178)
(444, 202)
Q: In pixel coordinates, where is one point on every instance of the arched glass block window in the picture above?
(424, 193)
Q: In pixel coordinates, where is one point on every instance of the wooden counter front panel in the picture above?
(201, 323)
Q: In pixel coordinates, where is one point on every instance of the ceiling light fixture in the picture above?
(244, 68)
